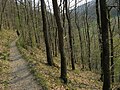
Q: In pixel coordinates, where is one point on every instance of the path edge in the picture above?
(38, 79)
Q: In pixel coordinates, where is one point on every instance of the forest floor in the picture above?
(48, 76)
(6, 36)
(14, 72)
(27, 69)
(20, 77)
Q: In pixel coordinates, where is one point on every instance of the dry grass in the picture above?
(48, 76)
(6, 36)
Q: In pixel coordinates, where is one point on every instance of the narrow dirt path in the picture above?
(20, 76)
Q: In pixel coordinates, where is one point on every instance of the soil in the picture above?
(20, 77)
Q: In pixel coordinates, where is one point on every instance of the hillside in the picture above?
(92, 11)
(48, 76)
(44, 45)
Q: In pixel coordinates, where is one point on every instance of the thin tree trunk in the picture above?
(46, 37)
(56, 43)
(70, 36)
(1, 15)
(80, 38)
(111, 48)
(100, 38)
(88, 38)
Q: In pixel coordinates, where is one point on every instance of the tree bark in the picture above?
(105, 45)
(88, 36)
(111, 48)
(1, 15)
(46, 37)
(99, 37)
(70, 36)
(61, 41)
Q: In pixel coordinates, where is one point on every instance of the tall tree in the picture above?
(87, 35)
(111, 48)
(99, 37)
(61, 41)
(70, 35)
(46, 35)
(105, 45)
(80, 37)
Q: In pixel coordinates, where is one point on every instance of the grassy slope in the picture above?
(6, 36)
(48, 76)
(78, 80)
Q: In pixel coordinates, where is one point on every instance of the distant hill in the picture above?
(92, 9)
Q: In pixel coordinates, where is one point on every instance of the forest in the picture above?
(59, 44)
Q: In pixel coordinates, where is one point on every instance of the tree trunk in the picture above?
(70, 36)
(80, 38)
(111, 49)
(46, 37)
(105, 45)
(61, 41)
(1, 15)
(88, 37)
(100, 38)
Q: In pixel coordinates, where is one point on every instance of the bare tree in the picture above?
(61, 43)
(80, 37)
(70, 35)
(100, 37)
(105, 45)
(46, 35)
